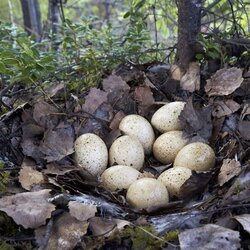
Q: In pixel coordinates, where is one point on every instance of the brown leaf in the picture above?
(191, 80)
(30, 209)
(44, 114)
(94, 99)
(209, 236)
(114, 84)
(116, 120)
(80, 211)
(229, 169)
(101, 226)
(28, 176)
(223, 108)
(244, 129)
(224, 82)
(144, 97)
(66, 232)
(56, 169)
(57, 143)
(244, 220)
(195, 185)
(197, 122)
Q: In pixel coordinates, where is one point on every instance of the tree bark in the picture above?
(32, 17)
(54, 20)
(189, 25)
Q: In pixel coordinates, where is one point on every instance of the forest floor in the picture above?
(46, 202)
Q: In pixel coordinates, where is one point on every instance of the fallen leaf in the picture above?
(54, 89)
(66, 233)
(244, 129)
(223, 108)
(114, 85)
(28, 176)
(195, 185)
(30, 209)
(58, 169)
(224, 82)
(229, 169)
(191, 80)
(114, 124)
(197, 122)
(245, 111)
(80, 211)
(208, 237)
(176, 72)
(57, 143)
(144, 97)
(244, 220)
(101, 226)
(45, 115)
(94, 99)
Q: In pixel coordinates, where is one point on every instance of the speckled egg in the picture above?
(174, 178)
(166, 118)
(147, 193)
(167, 145)
(138, 127)
(128, 151)
(196, 156)
(91, 154)
(119, 177)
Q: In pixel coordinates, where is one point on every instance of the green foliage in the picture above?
(5, 246)
(4, 178)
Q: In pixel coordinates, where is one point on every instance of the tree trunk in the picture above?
(189, 24)
(32, 17)
(54, 20)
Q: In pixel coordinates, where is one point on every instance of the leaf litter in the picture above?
(66, 210)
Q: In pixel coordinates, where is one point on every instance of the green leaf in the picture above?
(127, 14)
(2, 68)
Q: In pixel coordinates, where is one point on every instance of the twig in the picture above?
(47, 235)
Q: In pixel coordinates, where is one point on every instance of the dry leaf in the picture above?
(56, 169)
(94, 99)
(80, 211)
(244, 129)
(197, 122)
(191, 80)
(116, 120)
(30, 209)
(209, 237)
(244, 220)
(229, 169)
(29, 176)
(57, 143)
(66, 233)
(44, 115)
(223, 108)
(176, 72)
(224, 82)
(101, 226)
(144, 97)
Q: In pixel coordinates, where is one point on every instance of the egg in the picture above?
(167, 145)
(174, 178)
(166, 118)
(147, 193)
(91, 154)
(128, 151)
(196, 156)
(138, 127)
(119, 177)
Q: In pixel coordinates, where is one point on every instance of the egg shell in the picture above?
(128, 151)
(167, 146)
(91, 154)
(166, 118)
(147, 193)
(119, 177)
(140, 128)
(196, 156)
(174, 178)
